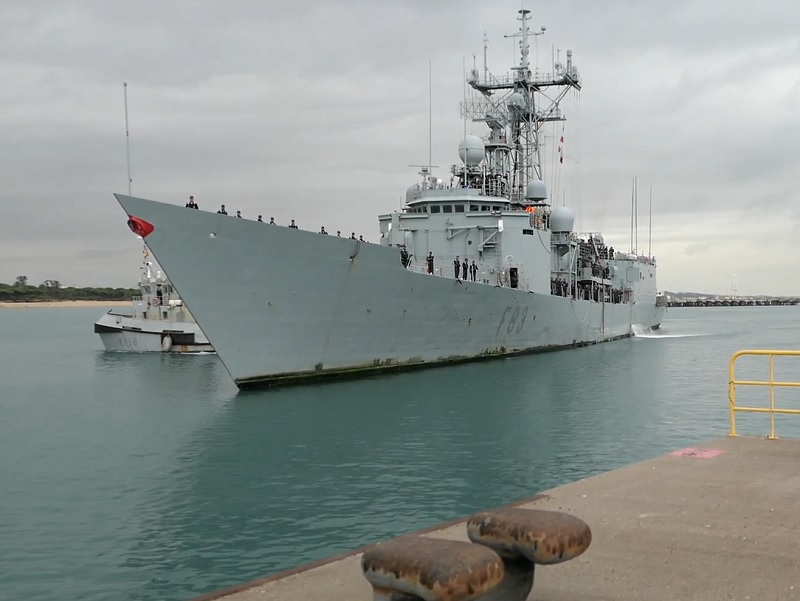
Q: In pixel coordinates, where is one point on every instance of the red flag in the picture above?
(140, 227)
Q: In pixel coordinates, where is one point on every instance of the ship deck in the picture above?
(714, 522)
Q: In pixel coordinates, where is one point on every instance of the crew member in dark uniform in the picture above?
(222, 210)
(464, 267)
(473, 270)
(430, 262)
(456, 267)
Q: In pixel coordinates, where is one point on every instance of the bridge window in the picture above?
(484, 207)
(447, 208)
(473, 207)
(434, 209)
(495, 208)
(459, 208)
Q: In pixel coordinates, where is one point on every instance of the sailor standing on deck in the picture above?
(430, 262)
(456, 266)
(222, 210)
(473, 271)
(464, 267)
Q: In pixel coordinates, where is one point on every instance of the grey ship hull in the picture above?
(284, 305)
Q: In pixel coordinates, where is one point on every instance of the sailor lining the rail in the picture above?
(456, 266)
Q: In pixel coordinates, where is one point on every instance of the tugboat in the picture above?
(158, 321)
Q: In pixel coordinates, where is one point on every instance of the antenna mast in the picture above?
(485, 57)
(430, 115)
(650, 227)
(636, 229)
(633, 191)
(127, 136)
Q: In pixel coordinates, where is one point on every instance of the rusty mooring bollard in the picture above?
(525, 538)
(420, 568)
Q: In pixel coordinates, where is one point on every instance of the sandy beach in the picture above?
(77, 303)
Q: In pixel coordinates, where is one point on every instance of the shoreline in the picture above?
(62, 303)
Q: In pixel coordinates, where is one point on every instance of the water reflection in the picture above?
(286, 476)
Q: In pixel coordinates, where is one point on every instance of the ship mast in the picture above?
(515, 109)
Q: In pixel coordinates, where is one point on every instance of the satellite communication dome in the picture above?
(562, 219)
(471, 150)
(536, 190)
(517, 101)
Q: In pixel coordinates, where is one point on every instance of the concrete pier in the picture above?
(718, 521)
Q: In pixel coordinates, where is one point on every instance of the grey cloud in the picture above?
(314, 111)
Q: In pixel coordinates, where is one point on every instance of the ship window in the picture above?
(473, 207)
(459, 208)
(495, 208)
(484, 207)
(447, 208)
(434, 209)
(528, 232)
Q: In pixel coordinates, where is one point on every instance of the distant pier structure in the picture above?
(729, 301)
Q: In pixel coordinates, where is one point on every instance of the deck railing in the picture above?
(771, 383)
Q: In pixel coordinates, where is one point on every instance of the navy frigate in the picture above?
(482, 265)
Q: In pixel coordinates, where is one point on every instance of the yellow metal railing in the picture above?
(772, 383)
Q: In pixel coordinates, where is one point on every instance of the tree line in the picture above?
(51, 290)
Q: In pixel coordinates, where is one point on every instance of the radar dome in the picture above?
(562, 219)
(517, 100)
(536, 190)
(471, 150)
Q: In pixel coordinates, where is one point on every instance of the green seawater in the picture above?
(144, 477)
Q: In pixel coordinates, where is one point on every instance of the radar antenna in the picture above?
(515, 107)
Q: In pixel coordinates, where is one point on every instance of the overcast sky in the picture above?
(314, 111)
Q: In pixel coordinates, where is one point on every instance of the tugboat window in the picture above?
(434, 209)
(459, 208)
(473, 207)
(447, 209)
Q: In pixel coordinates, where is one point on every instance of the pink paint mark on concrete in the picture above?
(698, 453)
